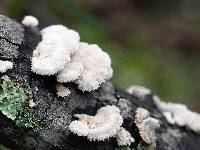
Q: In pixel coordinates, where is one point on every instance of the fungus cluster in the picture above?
(62, 54)
(105, 124)
(146, 125)
(179, 114)
(90, 67)
(5, 65)
(55, 50)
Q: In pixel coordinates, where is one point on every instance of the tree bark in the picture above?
(17, 43)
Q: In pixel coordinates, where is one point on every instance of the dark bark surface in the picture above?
(16, 44)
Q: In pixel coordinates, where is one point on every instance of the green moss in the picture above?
(2, 147)
(123, 148)
(26, 119)
(140, 147)
(14, 98)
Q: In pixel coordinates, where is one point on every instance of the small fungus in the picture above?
(62, 91)
(105, 124)
(31, 103)
(90, 67)
(124, 137)
(146, 125)
(5, 65)
(55, 50)
(139, 91)
(179, 114)
(30, 21)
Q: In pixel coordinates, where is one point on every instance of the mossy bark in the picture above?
(56, 113)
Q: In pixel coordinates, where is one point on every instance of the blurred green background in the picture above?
(154, 43)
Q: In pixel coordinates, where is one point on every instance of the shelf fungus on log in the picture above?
(60, 52)
(70, 72)
(89, 67)
(179, 114)
(124, 137)
(55, 50)
(105, 124)
(146, 125)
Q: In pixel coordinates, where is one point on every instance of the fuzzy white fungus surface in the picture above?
(94, 67)
(103, 125)
(55, 50)
(5, 65)
(124, 137)
(146, 125)
(147, 130)
(60, 52)
(141, 114)
(30, 21)
(70, 72)
(179, 114)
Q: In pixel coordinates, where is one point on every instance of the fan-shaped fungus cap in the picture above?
(96, 67)
(5, 65)
(30, 21)
(54, 51)
(146, 125)
(147, 130)
(103, 125)
(124, 137)
(141, 114)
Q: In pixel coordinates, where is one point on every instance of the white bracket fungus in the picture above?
(141, 114)
(139, 91)
(54, 51)
(179, 114)
(146, 125)
(62, 91)
(61, 52)
(90, 66)
(70, 72)
(30, 21)
(106, 123)
(124, 137)
(5, 65)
